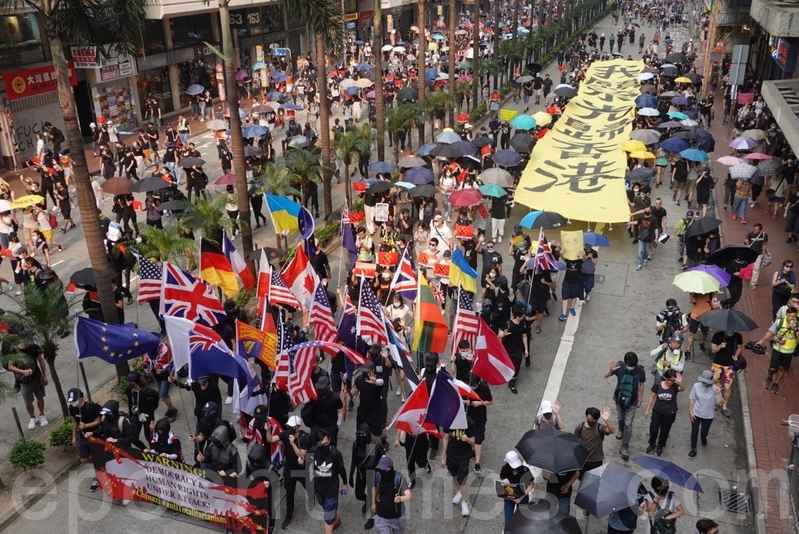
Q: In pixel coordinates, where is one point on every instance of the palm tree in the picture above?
(208, 214)
(496, 41)
(86, 23)
(476, 52)
(324, 126)
(401, 119)
(274, 179)
(437, 104)
(380, 111)
(451, 69)
(304, 168)
(168, 244)
(351, 145)
(422, 79)
(44, 317)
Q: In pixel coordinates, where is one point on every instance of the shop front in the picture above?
(784, 53)
(109, 75)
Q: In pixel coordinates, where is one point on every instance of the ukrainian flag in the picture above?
(461, 273)
(284, 213)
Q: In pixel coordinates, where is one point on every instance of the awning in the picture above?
(782, 97)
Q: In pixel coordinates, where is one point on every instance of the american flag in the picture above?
(279, 292)
(183, 295)
(466, 321)
(370, 317)
(301, 363)
(404, 281)
(544, 260)
(284, 342)
(321, 316)
(150, 280)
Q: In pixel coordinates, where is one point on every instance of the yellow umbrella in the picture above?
(542, 118)
(642, 154)
(27, 201)
(432, 46)
(684, 79)
(632, 145)
(696, 282)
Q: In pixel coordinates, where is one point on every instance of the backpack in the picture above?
(397, 480)
(661, 525)
(308, 414)
(626, 388)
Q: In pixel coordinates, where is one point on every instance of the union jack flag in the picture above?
(279, 292)
(150, 280)
(162, 359)
(370, 317)
(277, 447)
(321, 316)
(183, 295)
(438, 293)
(405, 281)
(544, 260)
(345, 216)
(466, 321)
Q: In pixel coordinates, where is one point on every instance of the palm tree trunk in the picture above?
(396, 148)
(422, 67)
(87, 204)
(347, 182)
(540, 15)
(496, 43)
(451, 40)
(380, 112)
(324, 126)
(62, 400)
(477, 88)
(236, 137)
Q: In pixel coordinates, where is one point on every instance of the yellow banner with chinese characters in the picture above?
(578, 168)
(507, 114)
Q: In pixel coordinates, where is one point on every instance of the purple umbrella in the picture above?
(743, 143)
(418, 176)
(507, 158)
(716, 272)
(241, 75)
(370, 94)
(679, 101)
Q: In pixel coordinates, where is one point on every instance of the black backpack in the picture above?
(308, 414)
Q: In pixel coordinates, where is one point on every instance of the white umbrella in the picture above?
(648, 112)
(644, 76)
(470, 53)
(399, 49)
(690, 123)
(5, 205)
(344, 84)
(742, 171)
(387, 48)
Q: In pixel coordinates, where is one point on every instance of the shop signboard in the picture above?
(36, 81)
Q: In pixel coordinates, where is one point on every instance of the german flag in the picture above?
(215, 268)
(429, 326)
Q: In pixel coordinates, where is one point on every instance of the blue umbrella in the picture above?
(431, 74)
(666, 470)
(195, 89)
(438, 37)
(522, 29)
(705, 141)
(358, 42)
(382, 166)
(595, 240)
(351, 90)
(279, 77)
(252, 132)
(363, 67)
(523, 122)
(675, 144)
(424, 150)
(295, 107)
(543, 219)
(405, 185)
(448, 137)
(646, 101)
(694, 154)
(677, 115)
(274, 95)
(258, 65)
(679, 101)
(418, 176)
(507, 158)
(466, 147)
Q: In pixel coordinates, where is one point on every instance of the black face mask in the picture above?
(430, 368)
(590, 423)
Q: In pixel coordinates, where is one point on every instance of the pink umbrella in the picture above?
(227, 179)
(758, 155)
(464, 79)
(729, 160)
(241, 75)
(370, 94)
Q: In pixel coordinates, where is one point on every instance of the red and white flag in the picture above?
(320, 316)
(300, 277)
(237, 262)
(264, 281)
(491, 360)
(410, 416)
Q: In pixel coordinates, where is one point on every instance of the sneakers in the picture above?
(727, 412)
(692, 454)
(512, 387)
(650, 448)
(337, 522)
(465, 509)
(229, 400)
(767, 383)
(702, 348)
(95, 485)
(734, 216)
(42, 420)
(561, 317)
(172, 415)
(775, 388)
(286, 523)
(456, 500)
(639, 267)
(527, 361)
(428, 469)
(370, 523)
(659, 451)
(743, 221)
(704, 441)
(619, 434)
(573, 311)
(32, 423)
(625, 454)
(478, 469)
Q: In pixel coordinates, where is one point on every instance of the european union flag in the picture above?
(111, 343)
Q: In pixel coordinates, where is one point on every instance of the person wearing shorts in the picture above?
(455, 458)
(782, 334)
(701, 303)
(527, 89)
(328, 465)
(725, 347)
(85, 418)
(679, 175)
(572, 287)
(31, 375)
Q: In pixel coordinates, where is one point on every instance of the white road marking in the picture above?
(562, 357)
(57, 263)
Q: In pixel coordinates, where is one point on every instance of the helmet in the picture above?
(676, 336)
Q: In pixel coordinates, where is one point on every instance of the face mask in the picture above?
(74, 404)
(397, 304)
(492, 276)
(590, 423)
(430, 368)
(432, 247)
(630, 368)
(386, 276)
(786, 269)
(463, 353)
(706, 385)
(635, 191)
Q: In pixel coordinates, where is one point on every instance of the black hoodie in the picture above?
(115, 425)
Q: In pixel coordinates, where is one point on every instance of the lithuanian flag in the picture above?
(429, 327)
(215, 268)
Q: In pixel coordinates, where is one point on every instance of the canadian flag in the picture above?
(301, 278)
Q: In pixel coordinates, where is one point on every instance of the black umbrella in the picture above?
(191, 162)
(379, 187)
(481, 141)
(727, 320)
(705, 141)
(426, 190)
(446, 151)
(608, 488)
(676, 57)
(553, 450)
(174, 205)
(534, 68)
(149, 184)
(669, 72)
(724, 255)
(542, 517)
(694, 77)
(702, 226)
(407, 95)
(566, 91)
(251, 152)
(83, 277)
(271, 253)
(118, 185)
(641, 174)
(688, 136)
(522, 142)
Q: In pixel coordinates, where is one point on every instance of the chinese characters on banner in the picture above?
(578, 168)
(32, 82)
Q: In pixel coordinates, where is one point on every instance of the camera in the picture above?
(756, 348)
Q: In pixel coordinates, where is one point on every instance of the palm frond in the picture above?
(274, 179)
(353, 143)
(209, 215)
(323, 18)
(43, 316)
(168, 244)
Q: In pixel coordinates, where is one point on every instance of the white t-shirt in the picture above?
(675, 502)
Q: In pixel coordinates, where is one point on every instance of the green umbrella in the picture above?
(492, 190)
(465, 65)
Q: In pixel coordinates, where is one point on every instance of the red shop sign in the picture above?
(31, 82)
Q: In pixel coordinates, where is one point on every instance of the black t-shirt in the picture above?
(520, 475)
(479, 414)
(491, 258)
(386, 491)
(328, 467)
(498, 208)
(556, 482)
(371, 400)
(659, 214)
(458, 449)
(680, 170)
(31, 362)
(514, 340)
(540, 290)
(573, 271)
(665, 398)
(88, 413)
(303, 443)
(647, 227)
(326, 409)
(724, 356)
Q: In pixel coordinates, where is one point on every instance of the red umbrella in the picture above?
(465, 197)
(227, 179)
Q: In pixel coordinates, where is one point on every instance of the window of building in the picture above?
(152, 37)
(20, 40)
(191, 30)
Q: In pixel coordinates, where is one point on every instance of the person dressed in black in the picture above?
(327, 464)
(515, 336)
(296, 444)
(115, 428)
(86, 418)
(328, 410)
(389, 494)
(456, 455)
(477, 411)
(662, 405)
(257, 472)
(370, 392)
(204, 392)
(164, 442)
(142, 404)
(257, 203)
(366, 452)
(736, 285)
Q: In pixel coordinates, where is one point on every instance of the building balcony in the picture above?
(778, 17)
(782, 97)
(161, 9)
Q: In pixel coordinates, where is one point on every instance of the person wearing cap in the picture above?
(389, 494)
(115, 428)
(327, 464)
(30, 372)
(366, 453)
(514, 472)
(328, 409)
(371, 407)
(85, 418)
(204, 391)
(669, 355)
(142, 404)
(548, 416)
(702, 401)
(296, 444)
(255, 433)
